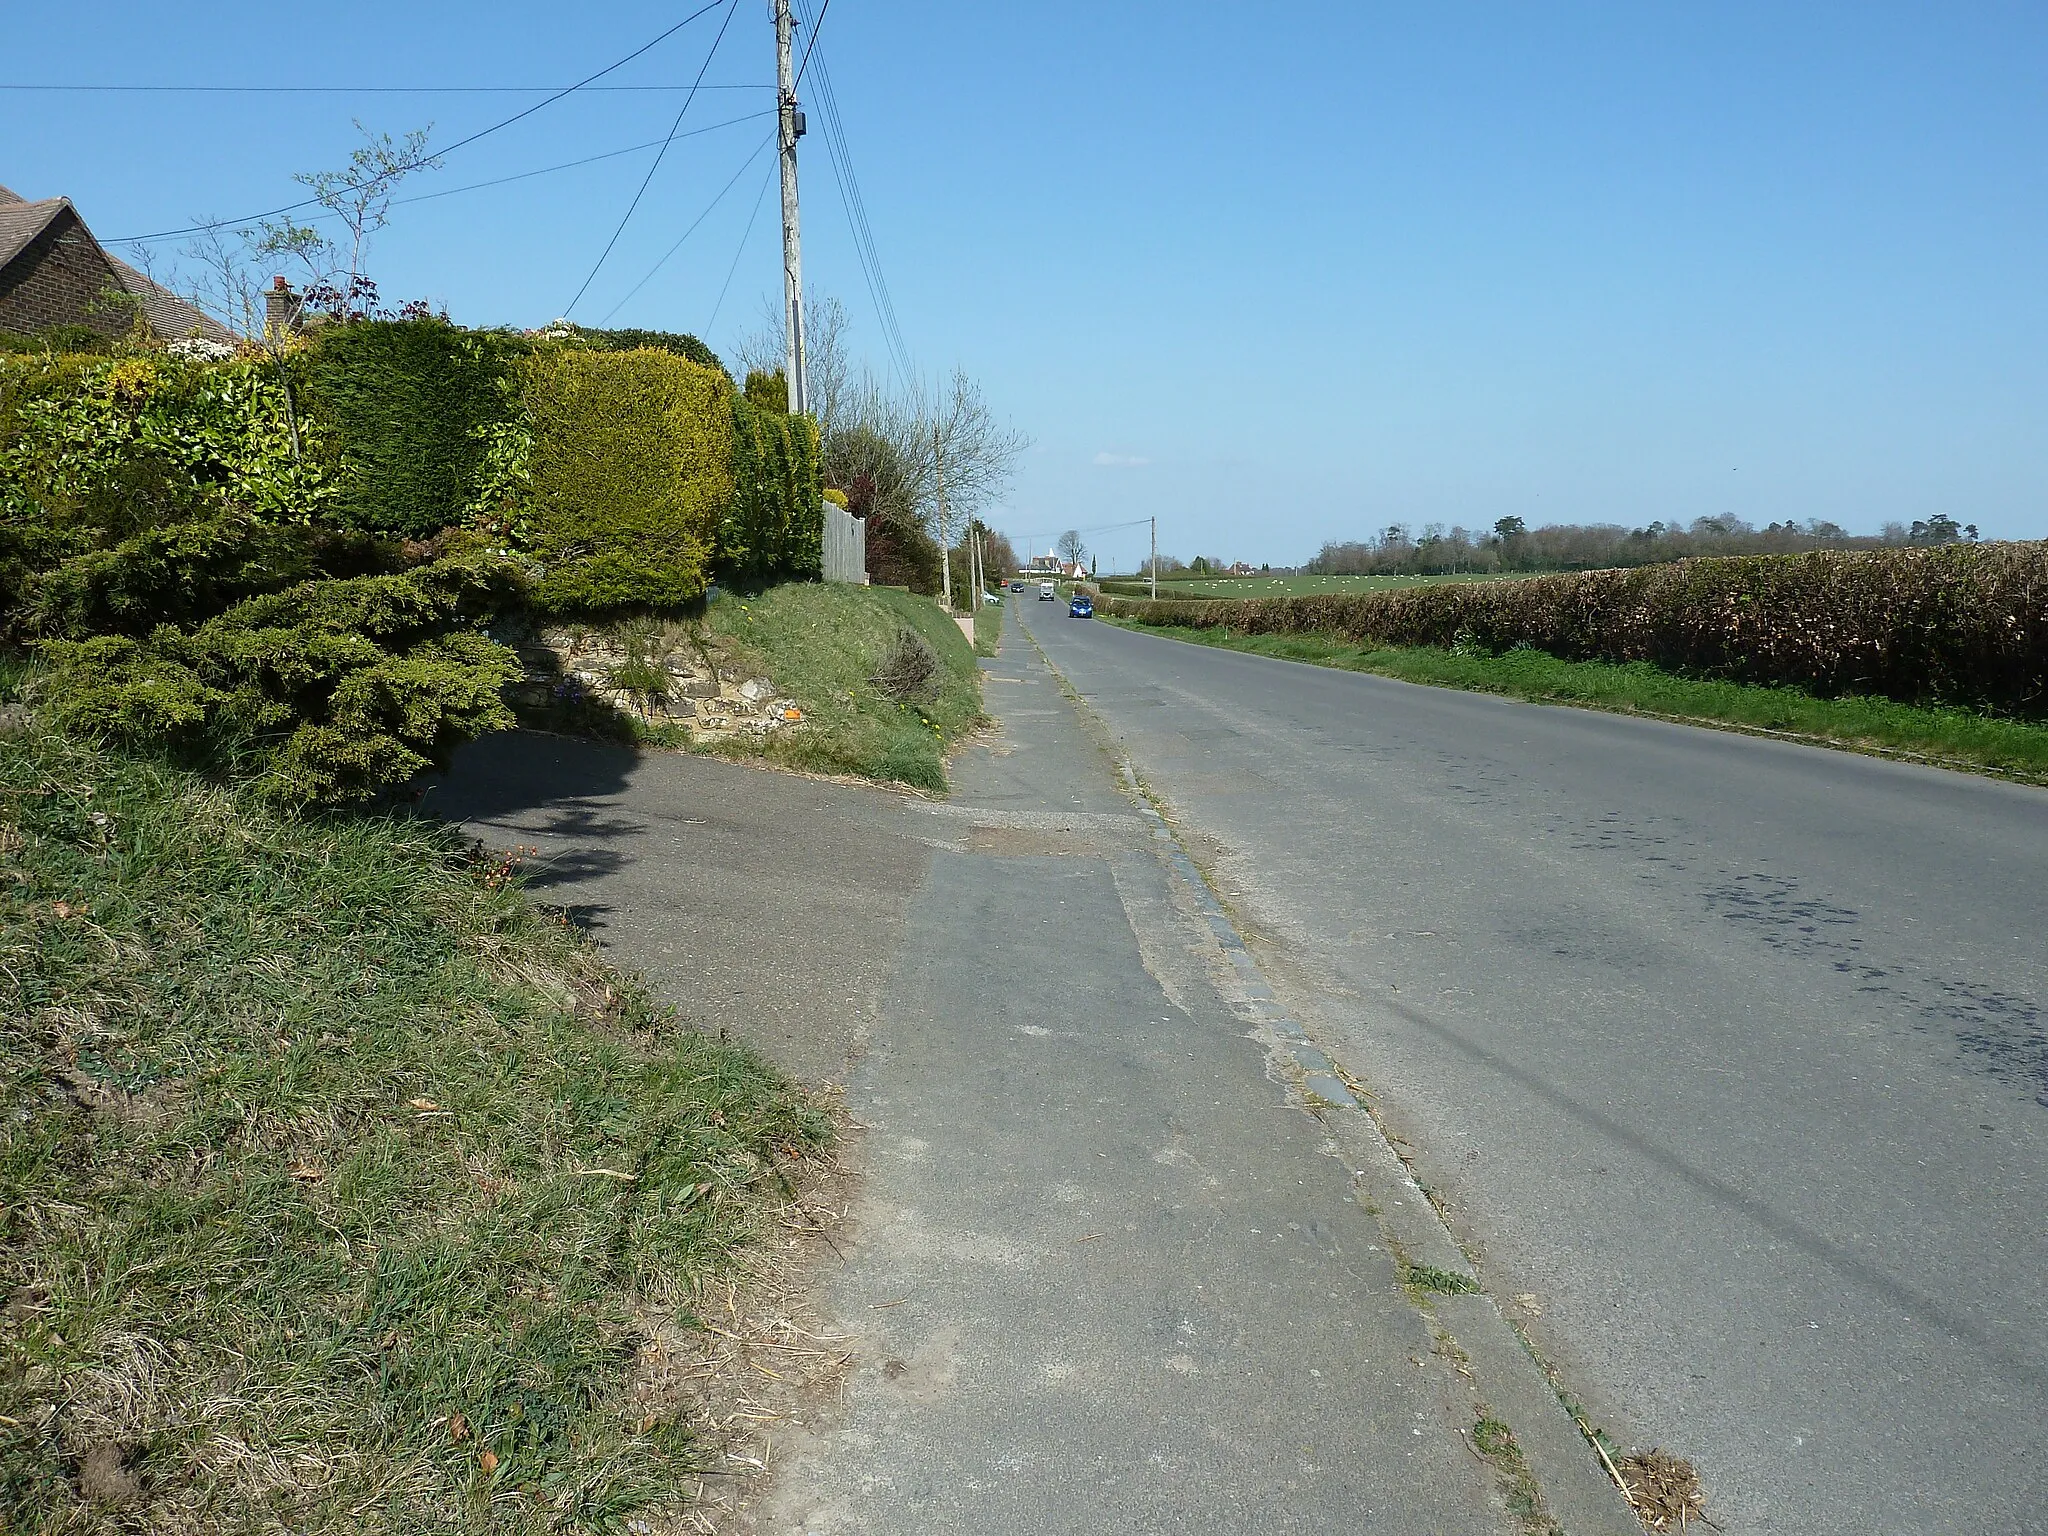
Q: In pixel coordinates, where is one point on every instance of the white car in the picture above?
(1047, 591)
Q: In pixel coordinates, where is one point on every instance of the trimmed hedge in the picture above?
(1961, 624)
(200, 580)
(412, 403)
(775, 527)
(628, 476)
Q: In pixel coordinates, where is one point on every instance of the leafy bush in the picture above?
(99, 446)
(413, 404)
(775, 528)
(58, 338)
(1959, 624)
(629, 472)
(901, 553)
(327, 691)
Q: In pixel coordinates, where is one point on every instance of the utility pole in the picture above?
(1155, 559)
(945, 522)
(790, 129)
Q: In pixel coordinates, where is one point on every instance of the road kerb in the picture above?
(1506, 1377)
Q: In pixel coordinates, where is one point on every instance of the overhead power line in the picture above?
(566, 165)
(813, 42)
(759, 198)
(660, 155)
(856, 215)
(390, 90)
(308, 202)
(694, 223)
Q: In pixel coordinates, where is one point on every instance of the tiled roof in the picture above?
(21, 222)
(169, 316)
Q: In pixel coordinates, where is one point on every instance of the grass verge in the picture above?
(340, 1190)
(988, 630)
(1950, 738)
(822, 642)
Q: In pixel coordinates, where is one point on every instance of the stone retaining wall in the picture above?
(705, 689)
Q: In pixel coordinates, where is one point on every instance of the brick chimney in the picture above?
(280, 310)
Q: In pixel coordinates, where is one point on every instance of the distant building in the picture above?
(53, 272)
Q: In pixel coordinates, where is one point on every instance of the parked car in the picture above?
(1047, 592)
(1082, 607)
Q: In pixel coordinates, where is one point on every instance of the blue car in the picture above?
(1082, 607)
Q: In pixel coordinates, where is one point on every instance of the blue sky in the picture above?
(1276, 275)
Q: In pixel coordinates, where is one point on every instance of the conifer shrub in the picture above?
(628, 473)
(626, 340)
(412, 404)
(775, 526)
(329, 691)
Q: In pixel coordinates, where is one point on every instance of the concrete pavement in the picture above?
(1114, 1269)
(1728, 1055)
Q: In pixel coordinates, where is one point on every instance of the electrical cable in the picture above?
(736, 175)
(648, 179)
(812, 44)
(566, 165)
(200, 229)
(384, 90)
(759, 198)
(857, 219)
(856, 212)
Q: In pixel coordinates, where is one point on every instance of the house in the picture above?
(53, 272)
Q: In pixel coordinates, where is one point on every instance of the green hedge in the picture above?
(251, 562)
(627, 477)
(1963, 624)
(774, 529)
(412, 404)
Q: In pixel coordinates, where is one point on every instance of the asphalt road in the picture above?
(1728, 1056)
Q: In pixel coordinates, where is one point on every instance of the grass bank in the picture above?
(988, 630)
(822, 643)
(340, 1190)
(1955, 738)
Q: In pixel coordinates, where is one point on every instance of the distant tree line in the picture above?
(1511, 545)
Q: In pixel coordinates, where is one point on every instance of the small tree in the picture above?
(1071, 550)
(359, 196)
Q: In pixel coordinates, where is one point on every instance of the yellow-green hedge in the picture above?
(629, 473)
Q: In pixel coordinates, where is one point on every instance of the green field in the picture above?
(1287, 585)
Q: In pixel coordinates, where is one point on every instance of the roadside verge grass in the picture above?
(822, 643)
(988, 630)
(340, 1189)
(1950, 738)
